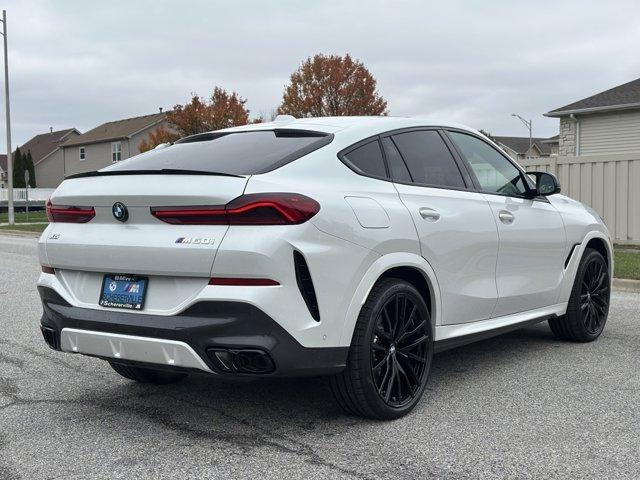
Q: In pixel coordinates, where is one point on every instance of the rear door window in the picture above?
(239, 153)
(367, 160)
(428, 158)
(397, 168)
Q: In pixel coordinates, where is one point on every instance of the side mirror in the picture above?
(546, 183)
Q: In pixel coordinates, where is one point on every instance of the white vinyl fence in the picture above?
(610, 184)
(20, 194)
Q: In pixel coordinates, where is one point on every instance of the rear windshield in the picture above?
(240, 153)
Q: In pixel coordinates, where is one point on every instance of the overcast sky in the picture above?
(82, 63)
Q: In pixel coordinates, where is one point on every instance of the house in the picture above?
(554, 144)
(109, 143)
(3, 170)
(47, 156)
(520, 148)
(605, 123)
(598, 161)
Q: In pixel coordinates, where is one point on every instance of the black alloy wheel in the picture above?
(390, 355)
(399, 350)
(588, 306)
(594, 295)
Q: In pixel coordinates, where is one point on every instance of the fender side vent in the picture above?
(305, 284)
(573, 249)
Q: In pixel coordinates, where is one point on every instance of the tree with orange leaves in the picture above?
(158, 136)
(331, 85)
(222, 110)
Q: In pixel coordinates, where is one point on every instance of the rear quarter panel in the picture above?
(362, 220)
(341, 192)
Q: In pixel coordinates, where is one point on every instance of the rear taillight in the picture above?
(67, 214)
(271, 209)
(215, 215)
(250, 209)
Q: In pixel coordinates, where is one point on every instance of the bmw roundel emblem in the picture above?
(120, 212)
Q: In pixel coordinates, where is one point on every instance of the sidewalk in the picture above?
(626, 285)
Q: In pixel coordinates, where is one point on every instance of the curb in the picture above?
(626, 285)
(20, 233)
(24, 223)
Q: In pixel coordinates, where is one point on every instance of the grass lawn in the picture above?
(21, 217)
(21, 227)
(627, 264)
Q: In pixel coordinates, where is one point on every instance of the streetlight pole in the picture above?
(8, 113)
(528, 124)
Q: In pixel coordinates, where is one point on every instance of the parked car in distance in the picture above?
(352, 248)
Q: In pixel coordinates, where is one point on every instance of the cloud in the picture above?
(75, 63)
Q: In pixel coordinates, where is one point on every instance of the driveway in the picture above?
(522, 405)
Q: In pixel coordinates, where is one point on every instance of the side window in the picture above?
(116, 152)
(82, 154)
(367, 159)
(495, 173)
(397, 167)
(429, 160)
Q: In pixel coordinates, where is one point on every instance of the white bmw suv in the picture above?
(352, 248)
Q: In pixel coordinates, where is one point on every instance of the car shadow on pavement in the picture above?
(208, 406)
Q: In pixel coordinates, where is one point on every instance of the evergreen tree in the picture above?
(28, 165)
(18, 169)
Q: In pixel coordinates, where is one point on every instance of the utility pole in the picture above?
(8, 112)
(528, 124)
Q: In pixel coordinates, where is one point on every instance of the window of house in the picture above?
(82, 155)
(367, 159)
(116, 152)
(428, 159)
(494, 172)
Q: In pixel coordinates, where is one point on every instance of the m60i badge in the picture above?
(196, 240)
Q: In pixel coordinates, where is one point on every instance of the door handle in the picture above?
(506, 217)
(429, 214)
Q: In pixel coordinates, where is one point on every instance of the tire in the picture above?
(390, 355)
(147, 375)
(589, 301)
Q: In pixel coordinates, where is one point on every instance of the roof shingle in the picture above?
(554, 139)
(42, 145)
(627, 94)
(520, 145)
(116, 130)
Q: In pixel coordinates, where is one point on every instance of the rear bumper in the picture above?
(187, 340)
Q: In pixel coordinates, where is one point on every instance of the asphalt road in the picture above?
(522, 405)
